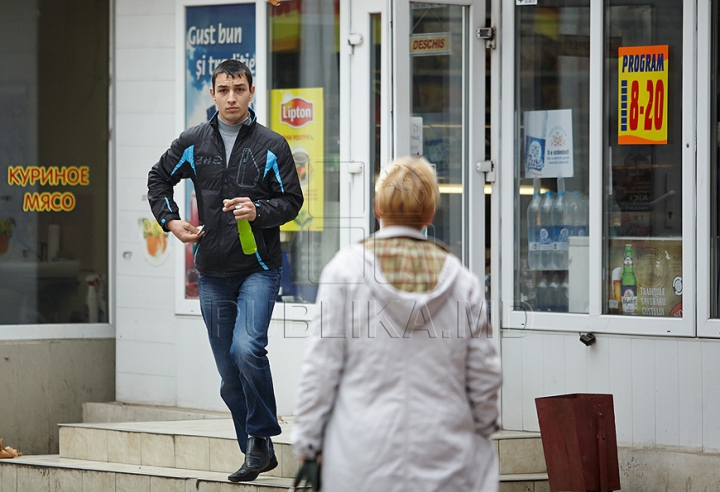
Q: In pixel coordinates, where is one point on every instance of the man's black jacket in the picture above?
(261, 167)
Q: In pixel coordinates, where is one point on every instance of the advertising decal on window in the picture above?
(643, 95)
(298, 115)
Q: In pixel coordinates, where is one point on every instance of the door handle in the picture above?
(487, 167)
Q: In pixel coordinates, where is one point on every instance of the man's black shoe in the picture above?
(257, 460)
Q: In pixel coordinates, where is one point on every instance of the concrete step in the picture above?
(204, 445)
(520, 452)
(115, 411)
(209, 444)
(54, 474)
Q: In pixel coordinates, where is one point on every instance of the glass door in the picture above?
(439, 108)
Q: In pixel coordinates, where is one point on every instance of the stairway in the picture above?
(197, 456)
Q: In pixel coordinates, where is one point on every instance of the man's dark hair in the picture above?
(233, 68)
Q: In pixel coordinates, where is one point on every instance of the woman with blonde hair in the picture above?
(400, 380)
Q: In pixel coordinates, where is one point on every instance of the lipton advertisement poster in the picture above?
(297, 115)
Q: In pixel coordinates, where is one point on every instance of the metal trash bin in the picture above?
(579, 442)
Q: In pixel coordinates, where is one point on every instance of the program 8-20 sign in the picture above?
(642, 95)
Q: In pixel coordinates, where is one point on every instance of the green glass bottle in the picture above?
(628, 284)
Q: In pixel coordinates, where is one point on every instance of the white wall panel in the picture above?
(145, 293)
(133, 162)
(667, 393)
(620, 365)
(131, 259)
(711, 396)
(198, 382)
(286, 347)
(598, 369)
(145, 325)
(533, 378)
(512, 389)
(143, 7)
(148, 358)
(690, 394)
(145, 97)
(554, 367)
(575, 364)
(145, 64)
(145, 31)
(145, 129)
(132, 196)
(643, 391)
(145, 389)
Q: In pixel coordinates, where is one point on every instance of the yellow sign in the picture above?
(297, 115)
(430, 44)
(643, 95)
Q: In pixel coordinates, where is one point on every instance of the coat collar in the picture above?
(399, 231)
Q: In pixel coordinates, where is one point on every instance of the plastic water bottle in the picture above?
(541, 293)
(533, 221)
(577, 219)
(554, 295)
(585, 207)
(546, 236)
(561, 224)
(528, 292)
(247, 239)
(565, 295)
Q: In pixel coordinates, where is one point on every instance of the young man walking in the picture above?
(241, 171)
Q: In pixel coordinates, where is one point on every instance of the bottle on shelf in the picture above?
(528, 293)
(554, 295)
(561, 224)
(628, 284)
(546, 235)
(565, 294)
(542, 292)
(91, 300)
(578, 214)
(534, 225)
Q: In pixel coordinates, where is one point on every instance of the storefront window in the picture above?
(642, 274)
(53, 162)
(304, 81)
(552, 61)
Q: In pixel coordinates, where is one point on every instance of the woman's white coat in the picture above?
(399, 390)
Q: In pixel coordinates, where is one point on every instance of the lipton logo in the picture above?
(296, 112)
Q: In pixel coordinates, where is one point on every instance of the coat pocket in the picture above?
(248, 171)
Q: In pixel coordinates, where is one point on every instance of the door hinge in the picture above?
(487, 167)
(488, 34)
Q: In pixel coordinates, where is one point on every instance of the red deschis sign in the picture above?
(296, 112)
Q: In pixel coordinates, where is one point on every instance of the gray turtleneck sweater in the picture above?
(229, 133)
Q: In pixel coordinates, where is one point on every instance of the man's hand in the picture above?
(185, 231)
(242, 207)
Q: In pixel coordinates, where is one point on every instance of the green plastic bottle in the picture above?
(247, 239)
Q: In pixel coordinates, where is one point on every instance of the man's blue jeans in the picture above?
(237, 313)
